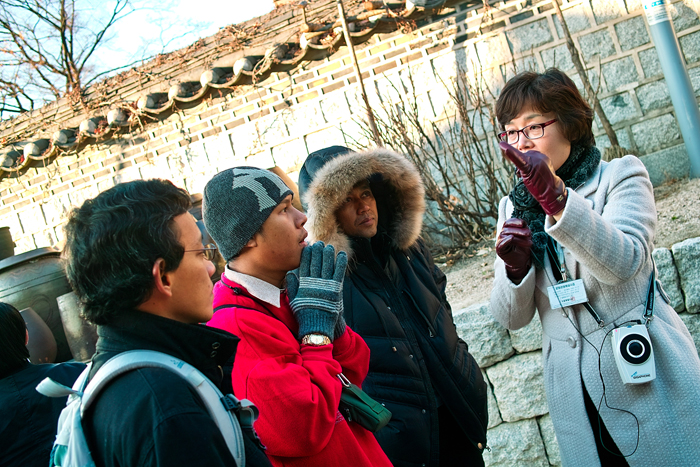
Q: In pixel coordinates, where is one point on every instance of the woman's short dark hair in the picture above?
(113, 240)
(551, 91)
(13, 334)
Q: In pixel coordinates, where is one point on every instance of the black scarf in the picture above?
(578, 168)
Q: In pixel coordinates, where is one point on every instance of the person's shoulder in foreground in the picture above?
(135, 258)
(294, 341)
(27, 419)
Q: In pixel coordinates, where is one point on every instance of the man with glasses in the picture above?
(134, 256)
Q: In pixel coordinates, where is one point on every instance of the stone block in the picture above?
(60, 234)
(576, 21)
(245, 139)
(653, 95)
(650, 135)
(290, 155)
(354, 135)
(551, 445)
(694, 75)
(650, 63)
(619, 73)
(632, 33)
(196, 182)
(262, 160)
(526, 63)
(528, 338)
(300, 119)
(481, 122)
(668, 276)
(518, 385)
(516, 444)
(220, 151)
(667, 165)
(634, 5)
(692, 322)
(488, 341)
(682, 16)
(686, 255)
(605, 10)
(529, 36)
(443, 67)
(442, 102)
(690, 45)
(494, 414)
(494, 50)
(593, 78)
(557, 57)
(46, 238)
(618, 108)
(109, 183)
(155, 167)
(419, 78)
(597, 43)
(271, 128)
(623, 138)
(78, 197)
(32, 219)
(24, 244)
(12, 221)
(324, 138)
(56, 209)
(195, 157)
(334, 105)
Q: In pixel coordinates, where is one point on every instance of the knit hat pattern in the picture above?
(237, 202)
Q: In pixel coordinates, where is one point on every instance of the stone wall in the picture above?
(520, 428)
(279, 121)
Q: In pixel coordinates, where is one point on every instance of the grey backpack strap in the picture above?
(210, 394)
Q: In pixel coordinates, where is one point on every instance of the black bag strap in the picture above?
(651, 291)
(551, 247)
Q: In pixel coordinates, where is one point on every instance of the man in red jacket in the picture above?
(294, 343)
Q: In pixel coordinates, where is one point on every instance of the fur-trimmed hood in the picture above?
(402, 194)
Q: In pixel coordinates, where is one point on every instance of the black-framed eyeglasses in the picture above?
(209, 251)
(534, 131)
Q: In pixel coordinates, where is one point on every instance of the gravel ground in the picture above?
(678, 209)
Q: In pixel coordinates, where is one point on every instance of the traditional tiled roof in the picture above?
(238, 55)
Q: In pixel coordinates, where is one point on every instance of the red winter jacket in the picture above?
(295, 386)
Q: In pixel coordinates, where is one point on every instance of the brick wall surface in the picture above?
(279, 121)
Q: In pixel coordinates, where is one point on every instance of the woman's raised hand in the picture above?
(539, 178)
(513, 247)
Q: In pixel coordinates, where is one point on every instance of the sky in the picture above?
(164, 26)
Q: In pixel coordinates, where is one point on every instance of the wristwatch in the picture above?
(315, 340)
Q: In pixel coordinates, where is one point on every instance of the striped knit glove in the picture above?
(315, 291)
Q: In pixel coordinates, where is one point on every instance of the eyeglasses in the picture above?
(534, 131)
(209, 251)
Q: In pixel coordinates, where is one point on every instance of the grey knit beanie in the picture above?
(237, 202)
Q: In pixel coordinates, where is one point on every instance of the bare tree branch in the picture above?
(47, 46)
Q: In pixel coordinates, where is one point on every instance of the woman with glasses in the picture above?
(574, 243)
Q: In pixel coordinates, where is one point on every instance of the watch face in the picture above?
(315, 339)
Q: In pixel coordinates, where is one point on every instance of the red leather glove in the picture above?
(539, 178)
(513, 247)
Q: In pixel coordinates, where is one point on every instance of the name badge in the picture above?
(567, 294)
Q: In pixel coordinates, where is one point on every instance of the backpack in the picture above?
(70, 448)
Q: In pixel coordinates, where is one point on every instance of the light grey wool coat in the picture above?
(607, 229)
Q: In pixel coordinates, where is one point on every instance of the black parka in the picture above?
(151, 416)
(394, 297)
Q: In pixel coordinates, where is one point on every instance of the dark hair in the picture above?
(13, 332)
(551, 91)
(113, 240)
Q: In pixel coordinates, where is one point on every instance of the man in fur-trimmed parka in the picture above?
(371, 205)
